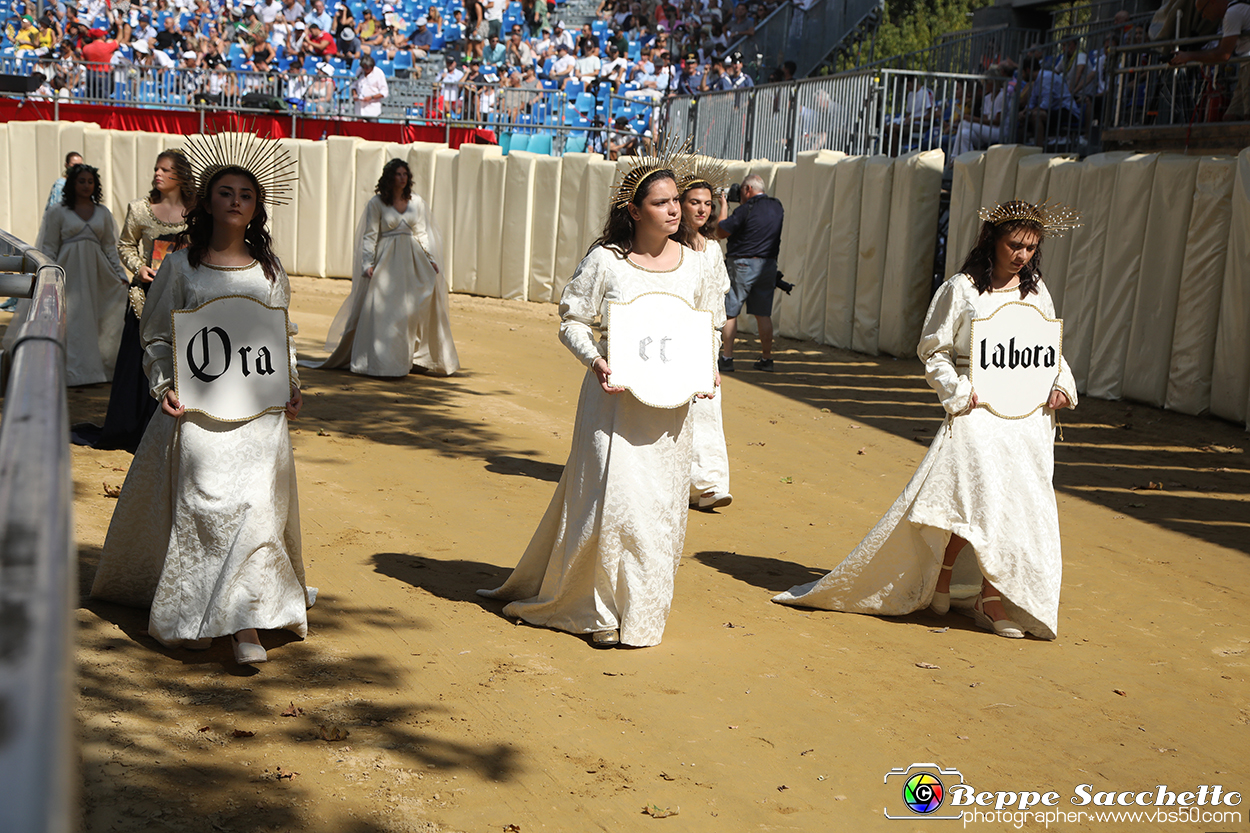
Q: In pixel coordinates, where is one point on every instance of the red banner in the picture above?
(275, 125)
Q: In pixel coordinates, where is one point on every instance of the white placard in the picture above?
(1015, 359)
(661, 349)
(231, 359)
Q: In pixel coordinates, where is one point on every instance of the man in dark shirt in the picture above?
(754, 233)
(169, 37)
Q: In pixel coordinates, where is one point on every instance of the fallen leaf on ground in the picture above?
(293, 711)
(1119, 692)
(782, 788)
(806, 752)
(512, 828)
(1152, 486)
(862, 450)
(657, 812)
(853, 425)
(242, 733)
(929, 665)
(202, 729)
(321, 432)
(332, 733)
(667, 777)
(288, 775)
(112, 491)
(733, 726)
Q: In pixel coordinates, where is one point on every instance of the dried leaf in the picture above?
(332, 733)
(288, 775)
(242, 733)
(806, 752)
(853, 425)
(112, 491)
(293, 711)
(862, 450)
(657, 812)
(733, 725)
(667, 777)
(1119, 692)
(512, 828)
(929, 666)
(202, 729)
(321, 432)
(782, 788)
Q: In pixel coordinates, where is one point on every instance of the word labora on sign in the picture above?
(231, 358)
(1015, 359)
(661, 349)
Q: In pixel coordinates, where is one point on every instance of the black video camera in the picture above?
(735, 193)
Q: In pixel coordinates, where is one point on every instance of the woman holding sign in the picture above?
(398, 298)
(978, 518)
(206, 531)
(604, 556)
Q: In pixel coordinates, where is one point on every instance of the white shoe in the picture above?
(714, 500)
(248, 653)
(1002, 627)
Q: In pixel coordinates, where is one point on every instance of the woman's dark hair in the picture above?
(199, 230)
(69, 194)
(186, 179)
(979, 265)
(386, 183)
(618, 228)
(708, 229)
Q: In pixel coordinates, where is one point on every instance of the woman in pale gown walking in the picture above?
(978, 517)
(206, 531)
(604, 557)
(398, 299)
(80, 235)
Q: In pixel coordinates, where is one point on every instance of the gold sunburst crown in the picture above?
(262, 157)
(704, 170)
(1055, 219)
(674, 157)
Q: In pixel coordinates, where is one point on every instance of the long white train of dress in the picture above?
(709, 465)
(404, 304)
(606, 551)
(985, 479)
(206, 531)
(95, 291)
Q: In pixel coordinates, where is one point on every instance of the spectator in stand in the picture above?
(494, 16)
(714, 80)
(718, 41)
(319, 43)
(293, 11)
(623, 140)
(738, 80)
(544, 45)
(1234, 42)
(564, 67)
(450, 79)
(299, 39)
(57, 193)
(27, 37)
(148, 58)
(788, 70)
(421, 40)
(741, 26)
(612, 71)
(560, 36)
(690, 80)
(1050, 106)
(494, 52)
(280, 32)
(348, 44)
(977, 132)
(434, 19)
(98, 54)
(320, 96)
(453, 34)
(605, 10)
(1073, 66)
(588, 66)
(370, 30)
(518, 53)
(269, 10)
(369, 89)
(145, 30)
(319, 16)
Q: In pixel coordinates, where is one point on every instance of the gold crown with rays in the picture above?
(704, 170)
(674, 157)
(262, 157)
(1054, 219)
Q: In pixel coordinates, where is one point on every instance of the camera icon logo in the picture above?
(923, 790)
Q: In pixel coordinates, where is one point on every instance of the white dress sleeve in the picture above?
(937, 347)
(715, 287)
(165, 295)
(49, 239)
(109, 244)
(579, 306)
(372, 226)
(281, 297)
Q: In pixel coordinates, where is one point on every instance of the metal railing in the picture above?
(805, 37)
(37, 571)
(1146, 91)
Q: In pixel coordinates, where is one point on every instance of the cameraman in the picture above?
(754, 234)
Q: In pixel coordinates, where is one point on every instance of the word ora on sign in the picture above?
(661, 349)
(1015, 359)
(231, 359)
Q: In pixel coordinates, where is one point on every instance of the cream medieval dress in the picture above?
(95, 291)
(985, 478)
(206, 531)
(606, 551)
(709, 462)
(404, 305)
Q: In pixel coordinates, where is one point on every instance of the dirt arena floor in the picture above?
(414, 705)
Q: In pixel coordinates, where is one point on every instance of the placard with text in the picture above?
(661, 349)
(1015, 359)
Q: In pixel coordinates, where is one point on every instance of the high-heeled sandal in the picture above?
(1002, 627)
(248, 653)
(941, 603)
(605, 639)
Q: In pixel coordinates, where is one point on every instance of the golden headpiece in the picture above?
(263, 158)
(674, 158)
(1054, 219)
(704, 170)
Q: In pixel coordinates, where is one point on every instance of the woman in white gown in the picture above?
(978, 517)
(79, 234)
(709, 465)
(206, 531)
(605, 554)
(398, 297)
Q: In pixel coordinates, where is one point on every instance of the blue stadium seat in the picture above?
(505, 141)
(520, 141)
(387, 67)
(403, 59)
(585, 103)
(540, 144)
(575, 144)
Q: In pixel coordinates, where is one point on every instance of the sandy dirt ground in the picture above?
(414, 705)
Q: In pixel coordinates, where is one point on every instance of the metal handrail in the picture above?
(37, 569)
(803, 36)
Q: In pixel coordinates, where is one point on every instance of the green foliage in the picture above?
(913, 25)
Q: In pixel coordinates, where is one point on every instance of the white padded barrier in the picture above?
(967, 183)
(1001, 162)
(1148, 348)
(545, 228)
(5, 201)
(341, 213)
(48, 162)
(843, 260)
(1089, 247)
(467, 195)
(813, 278)
(492, 178)
(443, 205)
(1230, 382)
(874, 230)
(789, 258)
(518, 224)
(600, 173)
(1064, 187)
(124, 174)
(572, 213)
(311, 213)
(422, 160)
(1129, 211)
(1202, 283)
(1033, 175)
(24, 181)
(907, 285)
(284, 219)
